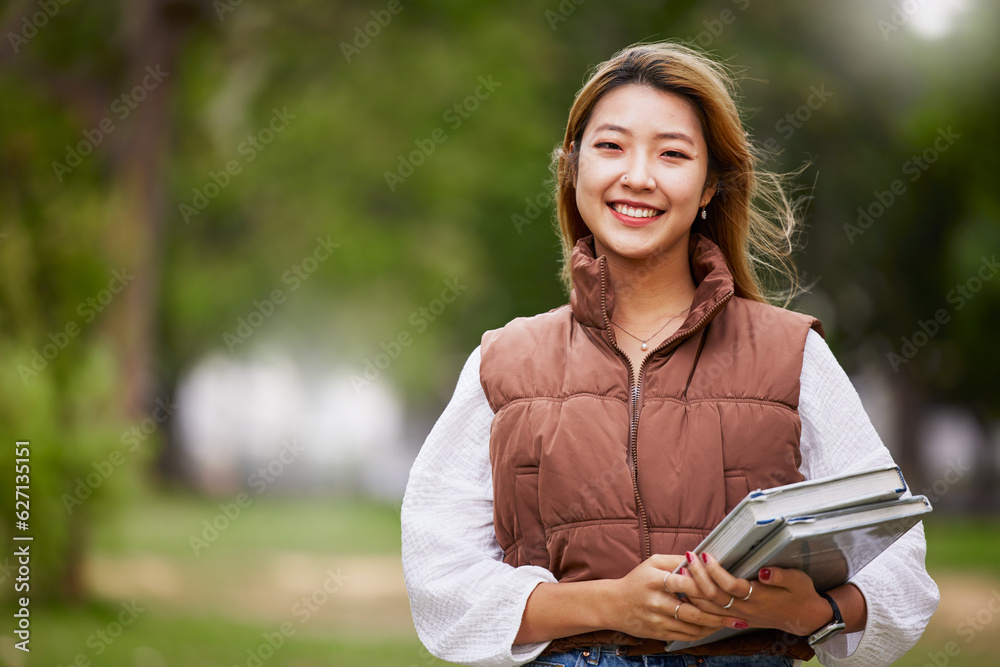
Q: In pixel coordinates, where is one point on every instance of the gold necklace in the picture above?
(645, 342)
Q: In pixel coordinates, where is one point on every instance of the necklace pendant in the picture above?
(644, 346)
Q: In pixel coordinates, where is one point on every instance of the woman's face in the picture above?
(641, 178)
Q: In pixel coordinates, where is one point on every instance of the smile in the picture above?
(634, 211)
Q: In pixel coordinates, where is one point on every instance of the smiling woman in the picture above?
(589, 449)
(642, 176)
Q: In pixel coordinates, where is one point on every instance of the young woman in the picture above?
(587, 450)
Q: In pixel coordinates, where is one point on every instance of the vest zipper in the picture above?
(636, 402)
(633, 429)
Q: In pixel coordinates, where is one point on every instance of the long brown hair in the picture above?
(751, 217)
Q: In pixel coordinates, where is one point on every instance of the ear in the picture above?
(708, 193)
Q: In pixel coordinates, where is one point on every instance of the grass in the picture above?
(71, 637)
(965, 544)
(165, 524)
(216, 608)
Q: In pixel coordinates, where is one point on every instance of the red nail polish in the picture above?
(704, 558)
(684, 571)
(690, 556)
(741, 625)
(764, 574)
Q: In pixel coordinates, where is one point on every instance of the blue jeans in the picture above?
(605, 656)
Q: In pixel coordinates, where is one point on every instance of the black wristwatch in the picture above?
(832, 628)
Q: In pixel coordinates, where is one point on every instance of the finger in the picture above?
(684, 586)
(729, 618)
(734, 586)
(709, 589)
(692, 620)
(665, 561)
(681, 583)
(775, 576)
(690, 613)
(788, 579)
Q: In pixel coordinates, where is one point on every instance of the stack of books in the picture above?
(830, 528)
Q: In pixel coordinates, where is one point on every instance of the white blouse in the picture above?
(467, 603)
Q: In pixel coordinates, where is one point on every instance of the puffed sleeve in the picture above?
(838, 437)
(467, 603)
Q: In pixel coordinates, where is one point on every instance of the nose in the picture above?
(637, 175)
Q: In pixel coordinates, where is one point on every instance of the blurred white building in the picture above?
(267, 422)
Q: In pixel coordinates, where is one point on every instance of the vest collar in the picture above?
(593, 296)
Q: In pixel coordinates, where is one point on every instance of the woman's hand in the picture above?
(643, 604)
(779, 598)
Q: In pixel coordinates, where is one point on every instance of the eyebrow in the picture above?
(661, 135)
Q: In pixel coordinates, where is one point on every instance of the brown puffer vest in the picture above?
(590, 477)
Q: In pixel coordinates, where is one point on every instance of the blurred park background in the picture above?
(246, 245)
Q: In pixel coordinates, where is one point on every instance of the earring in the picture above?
(704, 214)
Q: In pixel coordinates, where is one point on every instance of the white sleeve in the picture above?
(837, 437)
(467, 603)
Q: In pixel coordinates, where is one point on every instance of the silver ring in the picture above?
(731, 601)
(676, 609)
(748, 594)
(665, 581)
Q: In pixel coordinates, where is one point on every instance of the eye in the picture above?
(676, 155)
(607, 145)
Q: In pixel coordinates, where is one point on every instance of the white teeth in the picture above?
(636, 212)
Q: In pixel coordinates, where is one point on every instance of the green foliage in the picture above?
(73, 474)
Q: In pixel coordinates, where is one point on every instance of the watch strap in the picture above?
(830, 629)
(837, 618)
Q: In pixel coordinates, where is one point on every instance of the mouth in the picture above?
(634, 214)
